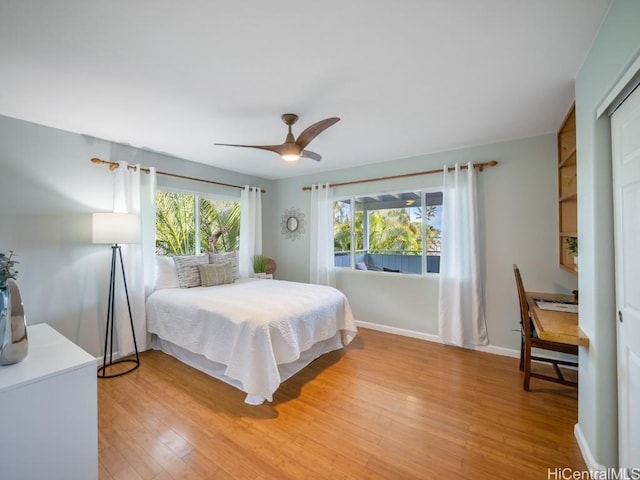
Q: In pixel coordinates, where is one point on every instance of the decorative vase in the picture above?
(14, 344)
(4, 303)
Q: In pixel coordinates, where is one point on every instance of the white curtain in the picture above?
(322, 264)
(460, 306)
(250, 228)
(134, 192)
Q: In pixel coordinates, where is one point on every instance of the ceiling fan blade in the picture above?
(292, 149)
(272, 148)
(314, 130)
(311, 155)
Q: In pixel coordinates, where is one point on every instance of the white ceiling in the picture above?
(406, 77)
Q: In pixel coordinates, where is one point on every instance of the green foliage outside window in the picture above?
(389, 230)
(219, 225)
(176, 224)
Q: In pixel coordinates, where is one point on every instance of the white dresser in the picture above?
(49, 411)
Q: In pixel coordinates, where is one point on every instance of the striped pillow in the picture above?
(217, 274)
(226, 257)
(187, 267)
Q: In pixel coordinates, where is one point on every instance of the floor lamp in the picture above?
(116, 229)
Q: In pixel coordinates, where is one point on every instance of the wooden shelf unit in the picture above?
(567, 189)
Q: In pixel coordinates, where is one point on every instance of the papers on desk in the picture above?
(557, 306)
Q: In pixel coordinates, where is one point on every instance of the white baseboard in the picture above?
(587, 456)
(116, 357)
(99, 360)
(398, 331)
(507, 352)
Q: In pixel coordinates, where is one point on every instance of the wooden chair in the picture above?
(529, 339)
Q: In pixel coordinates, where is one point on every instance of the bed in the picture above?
(252, 333)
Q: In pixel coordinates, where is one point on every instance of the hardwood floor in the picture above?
(387, 407)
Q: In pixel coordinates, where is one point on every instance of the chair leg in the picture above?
(527, 366)
(521, 353)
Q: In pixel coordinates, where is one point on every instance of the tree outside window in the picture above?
(398, 232)
(215, 223)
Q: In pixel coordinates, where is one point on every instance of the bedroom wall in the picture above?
(518, 224)
(48, 190)
(615, 48)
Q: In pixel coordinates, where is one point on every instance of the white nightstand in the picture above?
(49, 411)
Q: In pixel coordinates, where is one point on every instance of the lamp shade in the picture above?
(116, 228)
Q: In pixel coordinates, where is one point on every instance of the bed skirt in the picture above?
(217, 370)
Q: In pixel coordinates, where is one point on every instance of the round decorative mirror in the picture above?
(292, 224)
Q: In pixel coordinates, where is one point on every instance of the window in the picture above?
(181, 218)
(398, 232)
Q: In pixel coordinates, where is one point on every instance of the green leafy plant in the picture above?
(259, 264)
(7, 270)
(175, 224)
(572, 243)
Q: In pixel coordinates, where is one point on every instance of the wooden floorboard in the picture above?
(386, 407)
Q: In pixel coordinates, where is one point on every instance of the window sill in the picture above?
(430, 276)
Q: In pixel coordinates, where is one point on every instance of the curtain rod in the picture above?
(114, 165)
(479, 166)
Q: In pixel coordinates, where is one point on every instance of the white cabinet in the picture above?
(49, 411)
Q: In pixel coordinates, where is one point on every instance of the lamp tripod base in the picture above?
(114, 368)
(118, 368)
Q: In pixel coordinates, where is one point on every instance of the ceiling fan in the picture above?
(292, 149)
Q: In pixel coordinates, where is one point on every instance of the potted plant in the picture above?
(7, 271)
(260, 266)
(572, 244)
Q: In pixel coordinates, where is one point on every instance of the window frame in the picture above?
(351, 198)
(197, 196)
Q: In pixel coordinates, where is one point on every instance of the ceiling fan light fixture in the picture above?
(290, 152)
(293, 149)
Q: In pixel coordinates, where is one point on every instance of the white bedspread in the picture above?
(251, 326)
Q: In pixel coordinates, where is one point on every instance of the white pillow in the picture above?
(166, 273)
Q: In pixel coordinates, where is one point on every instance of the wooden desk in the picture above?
(559, 327)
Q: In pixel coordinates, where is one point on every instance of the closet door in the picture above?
(625, 136)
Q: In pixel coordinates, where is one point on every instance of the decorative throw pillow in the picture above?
(226, 257)
(188, 272)
(166, 273)
(215, 274)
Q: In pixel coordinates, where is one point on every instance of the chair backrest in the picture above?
(525, 320)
